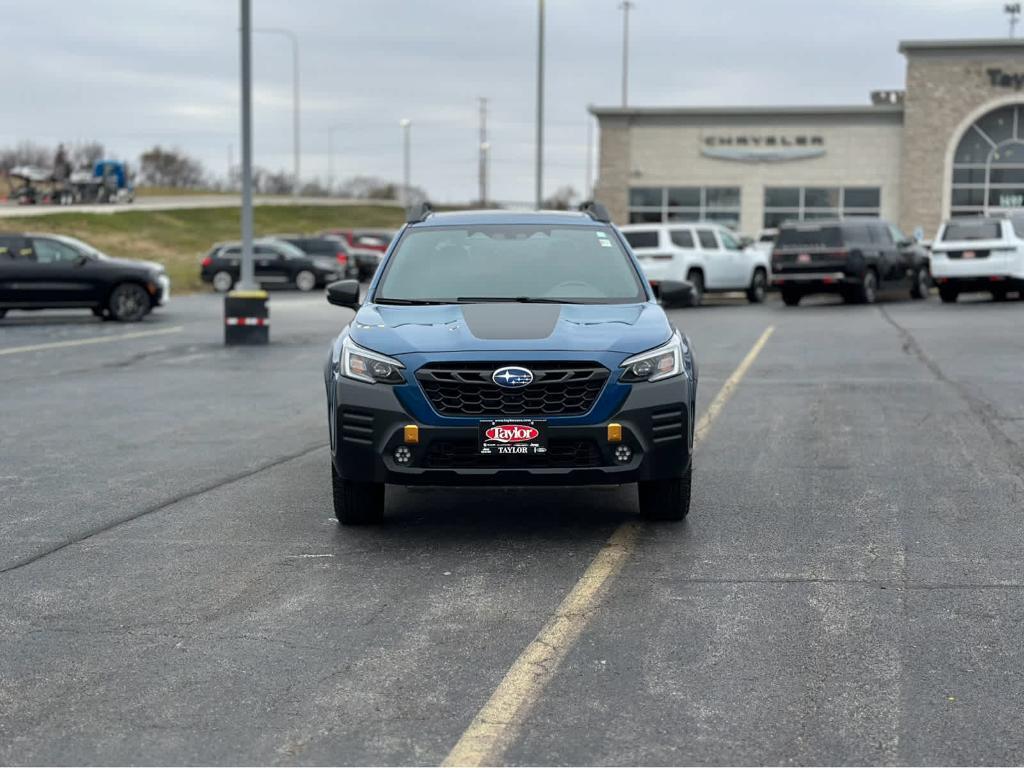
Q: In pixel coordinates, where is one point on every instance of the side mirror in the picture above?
(344, 293)
(82, 260)
(676, 293)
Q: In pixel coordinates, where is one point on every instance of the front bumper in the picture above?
(163, 293)
(656, 420)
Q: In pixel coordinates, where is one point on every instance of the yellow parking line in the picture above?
(91, 340)
(497, 723)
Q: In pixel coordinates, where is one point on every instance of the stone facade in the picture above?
(906, 151)
(948, 88)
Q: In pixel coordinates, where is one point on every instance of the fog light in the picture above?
(402, 455)
(412, 434)
(623, 454)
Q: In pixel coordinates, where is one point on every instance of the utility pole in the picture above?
(626, 6)
(1013, 11)
(296, 183)
(406, 124)
(539, 173)
(330, 157)
(483, 152)
(247, 282)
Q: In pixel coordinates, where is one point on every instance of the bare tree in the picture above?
(87, 154)
(562, 200)
(26, 153)
(160, 167)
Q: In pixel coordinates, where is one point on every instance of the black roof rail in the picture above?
(419, 213)
(596, 211)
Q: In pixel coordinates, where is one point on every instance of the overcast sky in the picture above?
(133, 73)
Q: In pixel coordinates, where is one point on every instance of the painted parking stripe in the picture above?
(497, 724)
(91, 340)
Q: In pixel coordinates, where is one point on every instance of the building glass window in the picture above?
(651, 204)
(988, 164)
(808, 203)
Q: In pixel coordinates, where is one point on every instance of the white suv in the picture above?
(979, 254)
(704, 254)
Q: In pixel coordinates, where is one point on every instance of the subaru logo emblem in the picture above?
(512, 376)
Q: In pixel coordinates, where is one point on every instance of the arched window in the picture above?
(988, 165)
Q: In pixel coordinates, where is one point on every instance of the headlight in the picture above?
(364, 365)
(662, 363)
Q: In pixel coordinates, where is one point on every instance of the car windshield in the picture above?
(803, 236)
(491, 262)
(982, 229)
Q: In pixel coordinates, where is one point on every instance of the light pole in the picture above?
(625, 5)
(330, 157)
(484, 146)
(406, 124)
(539, 173)
(295, 97)
(247, 282)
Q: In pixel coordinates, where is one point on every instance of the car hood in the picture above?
(625, 328)
(134, 263)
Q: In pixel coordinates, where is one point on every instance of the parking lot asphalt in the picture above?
(847, 589)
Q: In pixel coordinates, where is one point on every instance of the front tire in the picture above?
(128, 303)
(305, 281)
(667, 499)
(758, 287)
(357, 503)
(948, 295)
(696, 278)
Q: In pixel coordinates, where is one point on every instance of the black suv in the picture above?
(330, 251)
(852, 257)
(276, 263)
(44, 271)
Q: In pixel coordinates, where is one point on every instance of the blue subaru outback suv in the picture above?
(514, 349)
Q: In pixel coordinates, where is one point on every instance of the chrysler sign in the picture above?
(769, 148)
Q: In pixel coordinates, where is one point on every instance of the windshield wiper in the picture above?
(512, 300)
(411, 302)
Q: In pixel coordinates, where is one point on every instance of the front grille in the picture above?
(465, 454)
(558, 389)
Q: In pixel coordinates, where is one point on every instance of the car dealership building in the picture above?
(952, 143)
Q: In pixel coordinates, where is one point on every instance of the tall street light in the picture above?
(330, 156)
(295, 96)
(626, 6)
(247, 282)
(539, 173)
(406, 124)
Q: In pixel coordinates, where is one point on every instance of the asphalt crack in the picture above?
(159, 506)
(984, 411)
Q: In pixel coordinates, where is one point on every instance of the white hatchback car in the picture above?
(983, 254)
(705, 254)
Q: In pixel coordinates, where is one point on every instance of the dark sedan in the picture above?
(275, 263)
(44, 271)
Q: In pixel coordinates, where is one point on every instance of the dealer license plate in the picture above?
(512, 437)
